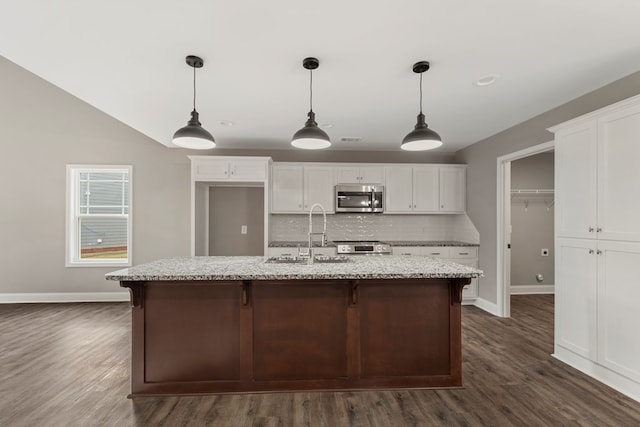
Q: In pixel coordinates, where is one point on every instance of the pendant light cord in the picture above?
(194, 88)
(310, 90)
(420, 93)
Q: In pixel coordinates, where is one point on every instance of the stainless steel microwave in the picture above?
(359, 198)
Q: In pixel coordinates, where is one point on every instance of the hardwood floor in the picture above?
(68, 365)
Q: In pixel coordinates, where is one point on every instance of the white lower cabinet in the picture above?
(597, 294)
(465, 255)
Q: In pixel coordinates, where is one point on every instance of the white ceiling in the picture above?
(127, 59)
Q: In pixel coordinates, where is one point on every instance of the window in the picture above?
(98, 216)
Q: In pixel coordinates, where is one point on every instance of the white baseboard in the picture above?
(614, 380)
(487, 306)
(64, 297)
(531, 289)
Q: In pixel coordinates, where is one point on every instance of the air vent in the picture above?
(350, 138)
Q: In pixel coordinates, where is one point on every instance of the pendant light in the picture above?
(311, 137)
(421, 138)
(193, 135)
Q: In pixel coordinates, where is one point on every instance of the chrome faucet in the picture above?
(323, 242)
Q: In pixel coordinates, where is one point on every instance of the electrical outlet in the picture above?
(544, 252)
(243, 229)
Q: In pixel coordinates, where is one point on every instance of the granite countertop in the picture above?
(295, 244)
(254, 268)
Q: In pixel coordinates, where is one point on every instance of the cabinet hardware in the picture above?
(599, 252)
(463, 253)
(598, 230)
(354, 293)
(245, 292)
(590, 229)
(590, 251)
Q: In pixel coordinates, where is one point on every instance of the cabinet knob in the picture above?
(599, 252)
(590, 251)
(598, 230)
(414, 206)
(441, 206)
(590, 229)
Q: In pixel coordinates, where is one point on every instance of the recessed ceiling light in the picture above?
(351, 138)
(226, 123)
(486, 80)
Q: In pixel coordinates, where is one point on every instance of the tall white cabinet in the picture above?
(597, 179)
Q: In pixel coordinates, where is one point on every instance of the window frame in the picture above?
(73, 216)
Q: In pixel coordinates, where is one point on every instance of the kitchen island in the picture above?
(238, 324)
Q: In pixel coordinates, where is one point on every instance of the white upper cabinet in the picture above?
(398, 189)
(597, 176)
(576, 180)
(619, 175)
(356, 174)
(453, 184)
(318, 187)
(236, 169)
(296, 188)
(287, 188)
(425, 189)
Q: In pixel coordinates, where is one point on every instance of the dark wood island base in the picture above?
(244, 336)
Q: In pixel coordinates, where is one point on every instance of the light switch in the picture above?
(243, 229)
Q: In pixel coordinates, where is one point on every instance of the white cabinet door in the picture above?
(575, 296)
(280, 251)
(348, 175)
(405, 250)
(453, 183)
(247, 171)
(426, 189)
(287, 189)
(211, 170)
(371, 175)
(318, 187)
(619, 175)
(618, 313)
(436, 251)
(576, 181)
(359, 174)
(398, 189)
(224, 169)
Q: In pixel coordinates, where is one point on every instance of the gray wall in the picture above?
(42, 129)
(229, 209)
(481, 159)
(532, 221)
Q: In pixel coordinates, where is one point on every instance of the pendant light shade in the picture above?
(311, 137)
(421, 137)
(193, 135)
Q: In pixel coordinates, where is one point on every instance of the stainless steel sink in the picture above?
(319, 259)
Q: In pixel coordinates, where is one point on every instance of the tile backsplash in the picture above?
(376, 227)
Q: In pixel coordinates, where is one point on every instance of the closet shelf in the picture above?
(530, 192)
(536, 192)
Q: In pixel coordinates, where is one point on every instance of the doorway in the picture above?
(504, 196)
